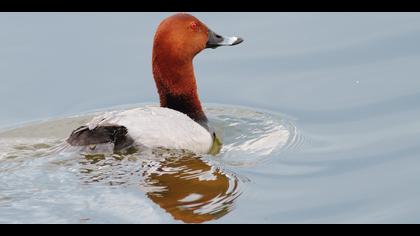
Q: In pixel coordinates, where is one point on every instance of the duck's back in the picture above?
(158, 127)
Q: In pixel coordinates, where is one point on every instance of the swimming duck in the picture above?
(179, 122)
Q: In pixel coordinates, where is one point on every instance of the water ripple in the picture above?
(190, 188)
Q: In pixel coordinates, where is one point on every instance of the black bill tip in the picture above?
(238, 41)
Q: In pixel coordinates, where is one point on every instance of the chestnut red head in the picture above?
(185, 36)
(177, 40)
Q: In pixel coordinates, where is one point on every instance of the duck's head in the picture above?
(184, 36)
(177, 40)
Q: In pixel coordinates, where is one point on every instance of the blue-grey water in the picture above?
(319, 114)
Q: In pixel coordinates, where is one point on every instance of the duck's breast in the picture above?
(160, 127)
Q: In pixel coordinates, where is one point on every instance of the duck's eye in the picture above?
(194, 26)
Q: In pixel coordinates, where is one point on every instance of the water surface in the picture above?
(318, 112)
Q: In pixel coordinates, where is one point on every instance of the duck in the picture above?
(179, 122)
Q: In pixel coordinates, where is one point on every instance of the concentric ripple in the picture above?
(250, 136)
(189, 188)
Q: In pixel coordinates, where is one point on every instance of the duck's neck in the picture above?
(177, 86)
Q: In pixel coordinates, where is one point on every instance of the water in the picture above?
(191, 188)
(318, 114)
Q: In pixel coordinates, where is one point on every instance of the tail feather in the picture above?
(118, 135)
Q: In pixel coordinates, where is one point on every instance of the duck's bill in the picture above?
(215, 40)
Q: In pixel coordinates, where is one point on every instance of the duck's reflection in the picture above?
(190, 189)
(186, 186)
